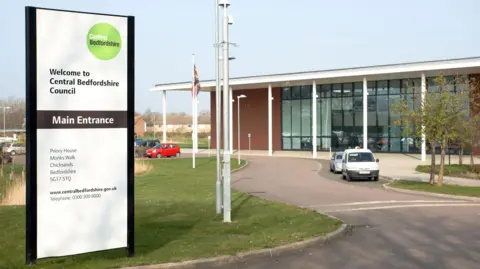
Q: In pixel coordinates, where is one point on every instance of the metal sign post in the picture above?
(249, 143)
(209, 139)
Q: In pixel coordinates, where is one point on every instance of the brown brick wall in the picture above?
(139, 127)
(253, 119)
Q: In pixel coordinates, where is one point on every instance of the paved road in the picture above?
(390, 230)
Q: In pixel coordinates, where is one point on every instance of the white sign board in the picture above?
(83, 133)
(249, 135)
(209, 137)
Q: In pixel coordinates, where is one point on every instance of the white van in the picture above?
(359, 164)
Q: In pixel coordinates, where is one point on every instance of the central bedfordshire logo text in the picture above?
(104, 41)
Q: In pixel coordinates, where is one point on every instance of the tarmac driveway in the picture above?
(389, 229)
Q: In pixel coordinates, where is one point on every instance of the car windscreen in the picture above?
(157, 146)
(339, 156)
(356, 157)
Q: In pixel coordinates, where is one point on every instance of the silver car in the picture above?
(336, 162)
(14, 148)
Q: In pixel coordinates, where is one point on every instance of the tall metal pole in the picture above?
(5, 120)
(193, 111)
(217, 110)
(226, 103)
(164, 115)
(230, 121)
(365, 110)
(238, 129)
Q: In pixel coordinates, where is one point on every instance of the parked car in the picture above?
(138, 141)
(359, 164)
(143, 146)
(336, 162)
(164, 150)
(14, 149)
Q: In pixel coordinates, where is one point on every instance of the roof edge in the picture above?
(181, 85)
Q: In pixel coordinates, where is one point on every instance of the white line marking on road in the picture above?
(390, 202)
(396, 206)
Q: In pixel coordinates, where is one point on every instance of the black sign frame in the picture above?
(32, 126)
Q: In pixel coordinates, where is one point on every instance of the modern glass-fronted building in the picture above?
(331, 109)
(339, 115)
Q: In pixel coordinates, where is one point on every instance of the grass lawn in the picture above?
(445, 189)
(175, 220)
(190, 145)
(454, 170)
(187, 143)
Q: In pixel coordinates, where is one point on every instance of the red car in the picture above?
(164, 150)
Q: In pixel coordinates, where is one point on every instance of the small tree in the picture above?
(437, 119)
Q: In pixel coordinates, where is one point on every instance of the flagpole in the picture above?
(196, 120)
(193, 110)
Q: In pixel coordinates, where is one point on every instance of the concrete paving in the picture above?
(390, 229)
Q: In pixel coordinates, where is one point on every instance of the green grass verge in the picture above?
(445, 189)
(175, 220)
(190, 145)
(454, 170)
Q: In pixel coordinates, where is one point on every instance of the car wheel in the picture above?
(331, 170)
(343, 176)
(177, 155)
(159, 156)
(375, 178)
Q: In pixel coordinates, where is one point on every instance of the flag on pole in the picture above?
(196, 82)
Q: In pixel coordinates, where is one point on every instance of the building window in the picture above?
(340, 119)
(394, 87)
(347, 89)
(306, 92)
(286, 93)
(382, 87)
(296, 117)
(296, 92)
(336, 90)
(306, 118)
(286, 118)
(358, 88)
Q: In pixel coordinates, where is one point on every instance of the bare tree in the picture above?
(15, 115)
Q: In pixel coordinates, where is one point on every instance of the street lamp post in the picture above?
(218, 65)
(226, 103)
(218, 184)
(238, 124)
(4, 120)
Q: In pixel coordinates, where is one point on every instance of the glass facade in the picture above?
(340, 115)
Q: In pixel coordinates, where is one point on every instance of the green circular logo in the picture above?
(104, 41)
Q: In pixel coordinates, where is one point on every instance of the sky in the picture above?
(273, 36)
